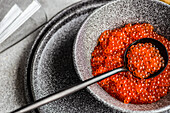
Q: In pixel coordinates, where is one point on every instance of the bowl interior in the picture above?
(114, 15)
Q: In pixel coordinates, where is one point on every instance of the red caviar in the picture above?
(144, 59)
(108, 55)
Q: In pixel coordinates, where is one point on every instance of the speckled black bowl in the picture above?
(113, 15)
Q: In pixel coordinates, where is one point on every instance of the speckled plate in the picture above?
(50, 66)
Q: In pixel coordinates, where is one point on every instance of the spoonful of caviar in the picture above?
(146, 58)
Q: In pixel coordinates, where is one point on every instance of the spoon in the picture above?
(162, 50)
(95, 79)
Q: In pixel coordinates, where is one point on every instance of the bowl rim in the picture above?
(90, 88)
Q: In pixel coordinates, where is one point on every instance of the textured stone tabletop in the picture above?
(12, 61)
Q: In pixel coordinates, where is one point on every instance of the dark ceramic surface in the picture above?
(51, 66)
(114, 15)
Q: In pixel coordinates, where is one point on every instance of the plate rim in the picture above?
(39, 38)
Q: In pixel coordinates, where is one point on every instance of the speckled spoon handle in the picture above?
(68, 91)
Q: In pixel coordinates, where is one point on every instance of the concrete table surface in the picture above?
(12, 61)
(12, 95)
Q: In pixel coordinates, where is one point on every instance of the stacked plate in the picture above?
(51, 68)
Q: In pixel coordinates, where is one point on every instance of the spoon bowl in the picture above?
(162, 50)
